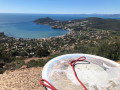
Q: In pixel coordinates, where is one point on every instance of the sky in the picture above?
(60, 6)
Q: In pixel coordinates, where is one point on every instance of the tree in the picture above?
(5, 57)
(42, 52)
(15, 53)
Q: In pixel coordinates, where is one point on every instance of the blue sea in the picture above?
(22, 25)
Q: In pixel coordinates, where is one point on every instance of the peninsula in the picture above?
(81, 24)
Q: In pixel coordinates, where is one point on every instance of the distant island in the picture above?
(80, 24)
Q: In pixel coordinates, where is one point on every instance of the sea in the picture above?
(22, 25)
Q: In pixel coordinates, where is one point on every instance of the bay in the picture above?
(22, 25)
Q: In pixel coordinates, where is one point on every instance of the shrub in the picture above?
(14, 65)
(42, 52)
(38, 63)
(1, 70)
(110, 50)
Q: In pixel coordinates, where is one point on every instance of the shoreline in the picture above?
(69, 31)
(55, 36)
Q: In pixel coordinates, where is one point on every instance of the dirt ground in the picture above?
(25, 79)
(34, 58)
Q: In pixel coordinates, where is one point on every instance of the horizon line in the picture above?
(64, 13)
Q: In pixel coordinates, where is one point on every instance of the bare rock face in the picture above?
(24, 79)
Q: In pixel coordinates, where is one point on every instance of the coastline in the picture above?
(55, 36)
(69, 31)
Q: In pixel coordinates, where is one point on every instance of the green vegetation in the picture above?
(38, 63)
(42, 52)
(106, 24)
(1, 70)
(41, 62)
(82, 24)
(91, 36)
(110, 49)
(14, 65)
(44, 20)
(6, 57)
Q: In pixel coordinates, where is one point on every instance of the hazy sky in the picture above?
(60, 6)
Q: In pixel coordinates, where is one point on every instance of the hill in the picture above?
(107, 24)
(80, 24)
(44, 20)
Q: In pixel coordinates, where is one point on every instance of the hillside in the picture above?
(107, 24)
(80, 24)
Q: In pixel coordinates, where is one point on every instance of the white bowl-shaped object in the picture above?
(95, 72)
